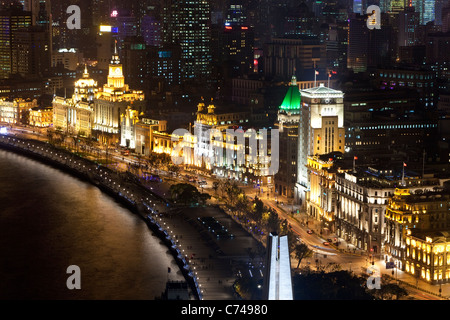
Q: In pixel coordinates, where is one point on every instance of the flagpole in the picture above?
(315, 77)
(403, 174)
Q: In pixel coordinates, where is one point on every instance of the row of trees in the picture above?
(253, 212)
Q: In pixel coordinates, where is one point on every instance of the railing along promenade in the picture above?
(123, 186)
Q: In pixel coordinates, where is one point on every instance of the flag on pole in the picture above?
(317, 72)
(404, 164)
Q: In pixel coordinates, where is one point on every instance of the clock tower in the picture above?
(115, 75)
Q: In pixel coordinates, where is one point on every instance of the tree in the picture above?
(242, 203)
(203, 197)
(302, 251)
(258, 210)
(215, 186)
(184, 193)
(336, 285)
(273, 222)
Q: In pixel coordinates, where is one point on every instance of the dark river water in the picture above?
(50, 220)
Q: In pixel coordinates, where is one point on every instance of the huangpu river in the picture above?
(50, 220)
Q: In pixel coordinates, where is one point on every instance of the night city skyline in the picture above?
(272, 149)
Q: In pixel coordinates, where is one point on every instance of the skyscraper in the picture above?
(426, 9)
(408, 21)
(321, 130)
(187, 23)
(11, 21)
(357, 48)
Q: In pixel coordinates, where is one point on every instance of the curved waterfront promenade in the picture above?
(121, 186)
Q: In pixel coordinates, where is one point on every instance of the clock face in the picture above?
(117, 71)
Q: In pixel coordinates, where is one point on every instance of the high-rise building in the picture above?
(31, 52)
(187, 23)
(408, 21)
(12, 21)
(446, 18)
(234, 47)
(357, 48)
(287, 122)
(426, 9)
(301, 55)
(321, 130)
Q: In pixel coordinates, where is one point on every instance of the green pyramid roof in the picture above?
(292, 99)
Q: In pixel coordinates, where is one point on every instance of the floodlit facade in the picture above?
(75, 115)
(321, 130)
(321, 196)
(424, 212)
(111, 101)
(428, 255)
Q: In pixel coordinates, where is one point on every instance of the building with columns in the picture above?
(112, 100)
(75, 115)
(425, 211)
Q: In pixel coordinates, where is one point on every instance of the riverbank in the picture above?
(119, 186)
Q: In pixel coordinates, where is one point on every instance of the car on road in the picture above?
(309, 231)
(326, 243)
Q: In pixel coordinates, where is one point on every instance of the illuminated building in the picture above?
(321, 196)
(218, 147)
(146, 132)
(16, 111)
(423, 211)
(363, 197)
(186, 23)
(321, 130)
(369, 131)
(11, 21)
(421, 80)
(287, 123)
(357, 48)
(112, 100)
(41, 117)
(236, 44)
(428, 255)
(9, 113)
(426, 9)
(128, 128)
(75, 115)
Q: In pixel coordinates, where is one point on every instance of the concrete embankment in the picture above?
(121, 186)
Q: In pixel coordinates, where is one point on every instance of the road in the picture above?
(353, 260)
